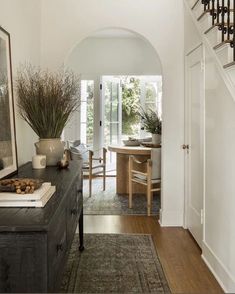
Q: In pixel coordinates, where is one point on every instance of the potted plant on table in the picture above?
(46, 101)
(152, 124)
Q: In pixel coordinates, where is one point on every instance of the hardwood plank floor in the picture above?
(179, 254)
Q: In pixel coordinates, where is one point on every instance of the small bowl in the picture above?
(131, 142)
(148, 139)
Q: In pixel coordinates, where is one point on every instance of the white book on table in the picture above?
(30, 203)
(36, 195)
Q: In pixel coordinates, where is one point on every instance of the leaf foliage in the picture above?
(151, 122)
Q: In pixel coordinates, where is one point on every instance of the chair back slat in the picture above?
(156, 163)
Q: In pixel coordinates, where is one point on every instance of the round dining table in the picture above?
(122, 166)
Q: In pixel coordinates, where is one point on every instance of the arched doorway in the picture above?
(114, 65)
(111, 57)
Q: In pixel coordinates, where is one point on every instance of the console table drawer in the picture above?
(57, 246)
(73, 211)
(23, 262)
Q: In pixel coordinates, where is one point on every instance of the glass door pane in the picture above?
(112, 124)
(153, 96)
(87, 112)
(130, 107)
(111, 115)
(111, 121)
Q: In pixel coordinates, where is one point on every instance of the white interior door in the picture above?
(194, 151)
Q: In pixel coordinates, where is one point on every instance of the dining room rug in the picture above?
(109, 203)
(114, 263)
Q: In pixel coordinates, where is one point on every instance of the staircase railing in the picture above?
(223, 16)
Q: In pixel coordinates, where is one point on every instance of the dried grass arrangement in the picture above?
(46, 99)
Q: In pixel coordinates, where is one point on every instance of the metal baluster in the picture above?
(218, 11)
(213, 12)
(222, 20)
(228, 20)
(233, 30)
(205, 4)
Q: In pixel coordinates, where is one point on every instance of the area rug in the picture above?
(109, 203)
(113, 263)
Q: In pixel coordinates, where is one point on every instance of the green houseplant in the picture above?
(152, 124)
(46, 101)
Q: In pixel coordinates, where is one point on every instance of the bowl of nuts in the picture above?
(20, 185)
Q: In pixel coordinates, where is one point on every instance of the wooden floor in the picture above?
(180, 256)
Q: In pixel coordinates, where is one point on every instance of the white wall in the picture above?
(75, 20)
(219, 222)
(114, 56)
(22, 20)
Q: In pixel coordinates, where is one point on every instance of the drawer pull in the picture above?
(74, 211)
(60, 247)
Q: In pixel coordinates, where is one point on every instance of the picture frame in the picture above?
(8, 150)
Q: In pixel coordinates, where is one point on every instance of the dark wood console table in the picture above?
(34, 242)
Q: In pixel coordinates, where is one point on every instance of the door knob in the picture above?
(185, 146)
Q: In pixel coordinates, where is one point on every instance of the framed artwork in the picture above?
(8, 153)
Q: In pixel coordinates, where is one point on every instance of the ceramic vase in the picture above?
(156, 139)
(52, 148)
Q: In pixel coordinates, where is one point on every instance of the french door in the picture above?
(194, 148)
(87, 112)
(111, 122)
(112, 110)
(108, 111)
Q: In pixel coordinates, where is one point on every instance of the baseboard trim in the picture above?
(218, 269)
(171, 218)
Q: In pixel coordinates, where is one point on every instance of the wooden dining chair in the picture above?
(95, 166)
(150, 178)
(92, 165)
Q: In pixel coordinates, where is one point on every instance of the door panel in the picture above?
(87, 112)
(195, 140)
(112, 114)
(112, 117)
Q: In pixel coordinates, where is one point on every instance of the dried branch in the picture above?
(46, 100)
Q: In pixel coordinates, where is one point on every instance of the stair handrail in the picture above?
(225, 76)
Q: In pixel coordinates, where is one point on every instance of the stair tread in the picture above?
(216, 25)
(195, 4)
(208, 11)
(229, 64)
(221, 44)
(204, 13)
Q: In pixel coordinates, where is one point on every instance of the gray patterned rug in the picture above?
(109, 203)
(113, 263)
